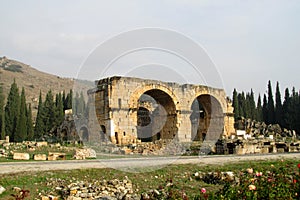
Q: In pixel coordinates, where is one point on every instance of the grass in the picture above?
(181, 176)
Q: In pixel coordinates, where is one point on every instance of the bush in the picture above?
(14, 68)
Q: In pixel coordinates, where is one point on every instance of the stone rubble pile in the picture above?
(97, 189)
(83, 153)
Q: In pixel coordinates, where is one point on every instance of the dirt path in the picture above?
(133, 164)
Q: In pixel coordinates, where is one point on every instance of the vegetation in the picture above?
(254, 180)
(16, 116)
(286, 113)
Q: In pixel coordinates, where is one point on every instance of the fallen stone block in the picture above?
(56, 156)
(40, 157)
(2, 189)
(21, 156)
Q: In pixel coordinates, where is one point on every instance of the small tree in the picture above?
(21, 127)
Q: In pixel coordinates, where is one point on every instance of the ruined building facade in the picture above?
(127, 110)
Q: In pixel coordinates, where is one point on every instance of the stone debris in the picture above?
(96, 189)
(2, 189)
(21, 156)
(81, 154)
(40, 157)
(216, 177)
(56, 156)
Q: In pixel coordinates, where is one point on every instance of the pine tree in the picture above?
(278, 108)
(235, 104)
(271, 107)
(259, 113)
(30, 133)
(265, 109)
(2, 120)
(12, 110)
(39, 129)
(21, 127)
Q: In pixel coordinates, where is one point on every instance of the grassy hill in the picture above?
(32, 80)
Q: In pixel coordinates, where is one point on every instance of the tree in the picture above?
(271, 107)
(265, 109)
(68, 101)
(259, 113)
(21, 128)
(287, 118)
(59, 109)
(30, 132)
(2, 120)
(12, 110)
(252, 105)
(39, 128)
(278, 108)
(235, 104)
(49, 110)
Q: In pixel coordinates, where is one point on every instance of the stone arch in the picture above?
(133, 102)
(207, 118)
(84, 134)
(156, 116)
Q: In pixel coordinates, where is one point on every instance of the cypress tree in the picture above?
(2, 122)
(21, 127)
(235, 104)
(30, 133)
(271, 107)
(287, 109)
(49, 109)
(252, 105)
(278, 106)
(39, 128)
(12, 110)
(259, 113)
(59, 109)
(265, 109)
(241, 100)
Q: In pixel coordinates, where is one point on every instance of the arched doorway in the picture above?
(156, 116)
(207, 118)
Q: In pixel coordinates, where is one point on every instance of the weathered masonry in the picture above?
(130, 110)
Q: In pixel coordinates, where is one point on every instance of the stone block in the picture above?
(40, 157)
(56, 156)
(41, 144)
(280, 150)
(21, 156)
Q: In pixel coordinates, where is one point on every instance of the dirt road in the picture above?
(134, 164)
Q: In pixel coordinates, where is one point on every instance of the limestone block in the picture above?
(56, 156)
(21, 156)
(40, 157)
(41, 144)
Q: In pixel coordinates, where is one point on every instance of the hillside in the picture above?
(32, 80)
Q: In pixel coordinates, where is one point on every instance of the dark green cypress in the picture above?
(271, 107)
(2, 120)
(265, 109)
(30, 133)
(252, 105)
(21, 128)
(259, 113)
(235, 104)
(12, 110)
(278, 106)
(39, 129)
(59, 109)
(49, 109)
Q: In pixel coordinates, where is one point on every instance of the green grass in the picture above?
(181, 176)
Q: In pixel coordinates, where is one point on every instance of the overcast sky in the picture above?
(250, 42)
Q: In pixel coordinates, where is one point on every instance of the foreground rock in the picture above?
(81, 154)
(96, 189)
(21, 156)
(2, 189)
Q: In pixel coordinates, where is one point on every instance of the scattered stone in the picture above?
(2, 189)
(21, 156)
(56, 156)
(40, 157)
(81, 154)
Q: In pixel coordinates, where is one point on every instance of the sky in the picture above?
(248, 42)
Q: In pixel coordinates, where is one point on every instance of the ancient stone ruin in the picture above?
(125, 110)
